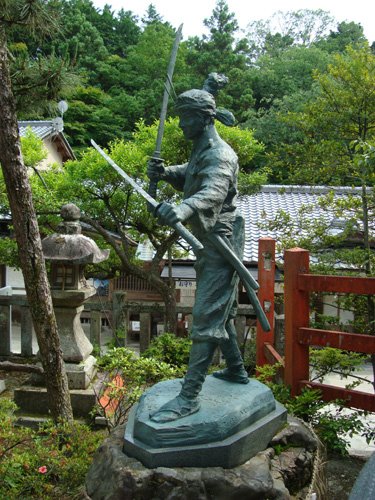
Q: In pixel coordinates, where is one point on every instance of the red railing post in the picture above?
(296, 304)
(266, 295)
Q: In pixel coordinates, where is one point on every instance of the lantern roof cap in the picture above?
(69, 245)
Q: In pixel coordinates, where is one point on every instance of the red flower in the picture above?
(42, 469)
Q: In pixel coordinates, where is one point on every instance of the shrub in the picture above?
(330, 422)
(170, 349)
(50, 462)
(126, 376)
(249, 356)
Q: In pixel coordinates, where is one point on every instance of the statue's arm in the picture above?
(215, 177)
(175, 175)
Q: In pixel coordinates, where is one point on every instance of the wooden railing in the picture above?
(265, 341)
(6, 305)
(10, 303)
(299, 336)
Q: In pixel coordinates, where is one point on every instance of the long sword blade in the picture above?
(168, 86)
(180, 228)
(153, 186)
(125, 176)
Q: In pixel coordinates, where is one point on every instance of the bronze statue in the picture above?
(209, 185)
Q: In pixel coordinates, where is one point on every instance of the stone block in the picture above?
(34, 400)
(115, 476)
(80, 375)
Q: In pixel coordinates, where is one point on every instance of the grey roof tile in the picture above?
(40, 128)
(267, 203)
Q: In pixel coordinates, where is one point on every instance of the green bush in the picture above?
(249, 357)
(136, 374)
(170, 349)
(48, 463)
(329, 421)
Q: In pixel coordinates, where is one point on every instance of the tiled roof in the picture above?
(266, 204)
(52, 129)
(42, 129)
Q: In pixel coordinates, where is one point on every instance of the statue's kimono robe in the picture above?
(209, 185)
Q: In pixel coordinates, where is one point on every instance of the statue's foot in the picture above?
(239, 377)
(175, 408)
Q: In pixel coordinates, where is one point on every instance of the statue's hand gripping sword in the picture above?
(182, 231)
(222, 246)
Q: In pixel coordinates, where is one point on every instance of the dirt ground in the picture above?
(341, 473)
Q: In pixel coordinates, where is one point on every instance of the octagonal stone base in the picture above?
(234, 423)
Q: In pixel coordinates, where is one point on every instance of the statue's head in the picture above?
(200, 105)
(198, 101)
(196, 109)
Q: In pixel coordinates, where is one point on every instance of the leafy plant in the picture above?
(330, 360)
(50, 462)
(125, 377)
(332, 424)
(170, 349)
(249, 356)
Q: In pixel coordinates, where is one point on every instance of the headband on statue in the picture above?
(203, 101)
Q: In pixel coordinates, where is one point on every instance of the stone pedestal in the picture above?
(34, 400)
(113, 475)
(234, 423)
(75, 346)
(81, 375)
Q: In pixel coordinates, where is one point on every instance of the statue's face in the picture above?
(192, 124)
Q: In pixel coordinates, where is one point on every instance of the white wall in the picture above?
(330, 309)
(14, 278)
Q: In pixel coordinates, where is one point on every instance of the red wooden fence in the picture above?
(266, 279)
(298, 335)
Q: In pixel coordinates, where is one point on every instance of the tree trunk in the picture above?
(30, 247)
(170, 319)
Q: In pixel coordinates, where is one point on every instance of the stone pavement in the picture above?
(358, 446)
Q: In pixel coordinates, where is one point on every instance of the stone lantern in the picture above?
(69, 252)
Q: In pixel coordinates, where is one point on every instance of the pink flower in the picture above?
(42, 469)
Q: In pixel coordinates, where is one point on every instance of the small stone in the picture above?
(295, 433)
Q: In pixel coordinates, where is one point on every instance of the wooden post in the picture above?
(26, 332)
(266, 295)
(5, 330)
(96, 328)
(145, 331)
(296, 261)
(240, 325)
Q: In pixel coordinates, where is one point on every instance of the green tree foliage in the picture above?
(341, 113)
(346, 34)
(113, 208)
(221, 51)
(33, 150)
(286, 29)
(37, 78)
(287, 50)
